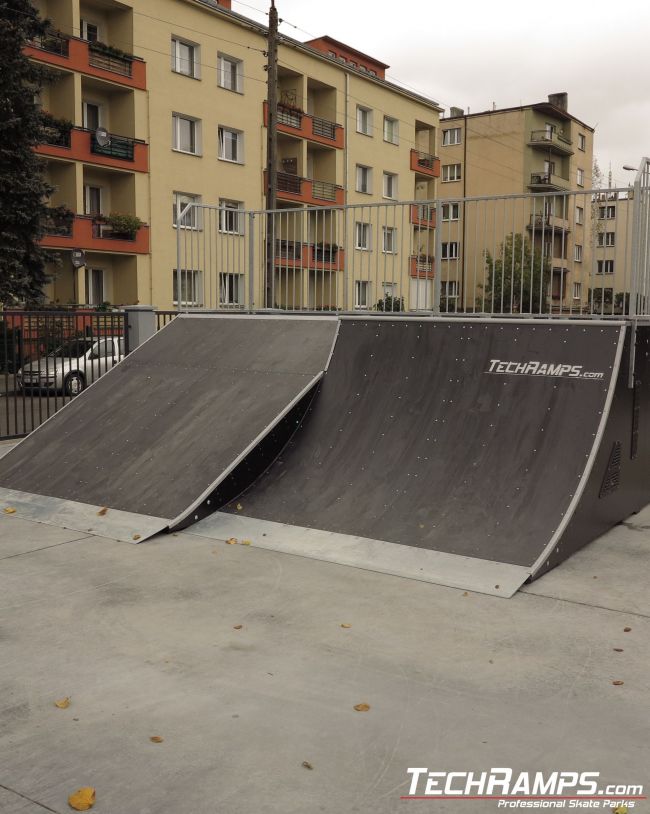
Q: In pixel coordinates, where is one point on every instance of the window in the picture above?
(89, 31)
(389, 289)
(364, 179)
(186, 134)
(191, 282)
(580, 177)
(449, 289)
(606, 212)
(391, 130)
(92, 116)
(582, 141)
(231, 145)
(92, 200)
(607, 238)
(362, 236)
(185, 58)
(230, 73)
(364, 120)
(420, 294)
(94, 286)
(231, 289)
(390, 185)
(577, 253)
(389, 239)
(451, 136)
(451, 172)
(605, 267)
(361, 293)
(580, 215)
(450, 211)
(231, 217)
(577, 291)
(450, 250)
(181, 215)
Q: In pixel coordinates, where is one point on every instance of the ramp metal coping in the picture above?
(481, 320)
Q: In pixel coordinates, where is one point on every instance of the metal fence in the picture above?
(48, 357)
(554, 251)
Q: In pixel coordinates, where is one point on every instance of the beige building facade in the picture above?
(159, 105)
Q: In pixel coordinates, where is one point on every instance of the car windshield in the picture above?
(73, 348)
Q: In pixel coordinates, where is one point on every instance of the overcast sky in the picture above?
(473, 53)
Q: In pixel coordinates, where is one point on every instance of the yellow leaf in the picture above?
(307, 765)
(618, 683)
(346, 624)
(62, 703)
(362, 707)
(82, 799)
(239, 507)
(237, 627)
(102, 511)
(156, 739)
(10, 511)
(231, 541)
(620, 810)
(136, 536)
(245, 542)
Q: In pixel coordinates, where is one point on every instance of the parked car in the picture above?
(72, 366)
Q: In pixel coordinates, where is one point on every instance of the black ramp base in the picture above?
(156, 434)
(467, 438)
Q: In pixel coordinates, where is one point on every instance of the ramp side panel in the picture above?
(158, 430)
(417, 439)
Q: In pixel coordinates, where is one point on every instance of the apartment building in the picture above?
(157, 105)
(612, 252)
(538, 150)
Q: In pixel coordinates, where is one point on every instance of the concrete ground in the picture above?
(237, 658)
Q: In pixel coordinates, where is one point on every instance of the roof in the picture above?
(346, 47)
(542, 107)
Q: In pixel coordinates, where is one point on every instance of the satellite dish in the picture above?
(78, 258)
(102, 137)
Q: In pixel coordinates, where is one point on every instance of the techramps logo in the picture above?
(501, 367)
(536, 790)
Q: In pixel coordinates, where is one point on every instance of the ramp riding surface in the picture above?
(454, 451)
(154, 436)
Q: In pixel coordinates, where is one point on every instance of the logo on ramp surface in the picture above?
(501, 367)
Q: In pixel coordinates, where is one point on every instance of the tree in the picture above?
(517, 279)
(390, 303)
(23, 190)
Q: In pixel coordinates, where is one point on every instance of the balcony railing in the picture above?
(296, 123)
(425, 163)
(322, 127)
(548, 179)
(293, 187)
(54, 43)
(289, 116)
(324, 190)
(551, 138)
(421, 266)
(56, 132)
(423, 215)
(548, 222)
(119, 147)
(297, 255)
(289, 183)
(68, 230)
(100, 57)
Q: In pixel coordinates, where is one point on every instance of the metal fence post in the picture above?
(251, 261)
(437, 258)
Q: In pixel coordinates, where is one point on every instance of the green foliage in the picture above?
(23, 189)
(389, 303)
(517, 280)
(109, 50)
(126, 225)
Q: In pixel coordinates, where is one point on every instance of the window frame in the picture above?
(446, 251)
(222, 129)
(363, 228)
(225, 210)
(580, 215)
(580, 177)
(577, 252)
(178, 201)
(194, 303)
(450, 207)
(177, 118)
(448, 142)
(176, 59)
(390, 179)
(364, 285)
(582, 142)
(395, 130)
(368, 111)
(387, 231)
(225, 280)
(368, 175)
(602, 266)
(457, 167)
(238, 65)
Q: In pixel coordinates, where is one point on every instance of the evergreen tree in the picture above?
(23, 189)
(517, 279)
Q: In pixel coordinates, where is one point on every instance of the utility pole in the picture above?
(271, 149)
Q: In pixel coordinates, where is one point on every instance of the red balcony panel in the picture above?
(295, 255)
(425, 164)
(423, 215)
(306, 191)
(420, 267)
(308, 127)
(83, 148)
(87, 234)
(131, 72)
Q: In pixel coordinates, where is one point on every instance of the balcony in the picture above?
(425, 164)
(78, 144)
(91, 234)
(292, 254)
(548, 223)
(306, 191)
(90, 58)
(421, 266)
(551, 140)
(296, 123)
(548, 181)
(423, 216)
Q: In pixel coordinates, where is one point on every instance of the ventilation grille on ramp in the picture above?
(613, 472)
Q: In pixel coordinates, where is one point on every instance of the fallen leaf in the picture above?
(362, 707)
(618, 649)
(239, 507)
(620, 810)
(10, 511)
(465, 593)
(102, 511)
(237, 627)
(136, 536)
(307, 765)
(627, 629)
(156, 739)
(82, 799)
(62, 703)
(245, 542)
(618, 683)
(346, 624)
(231, 541)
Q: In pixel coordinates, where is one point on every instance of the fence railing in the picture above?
(565, 253)
(48, 357)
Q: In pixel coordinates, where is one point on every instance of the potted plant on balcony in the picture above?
(55, 131)
(122, 227)
(109, 50)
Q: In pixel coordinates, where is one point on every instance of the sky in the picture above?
(473, 54)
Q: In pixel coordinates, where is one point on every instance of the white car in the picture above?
(72, 366)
